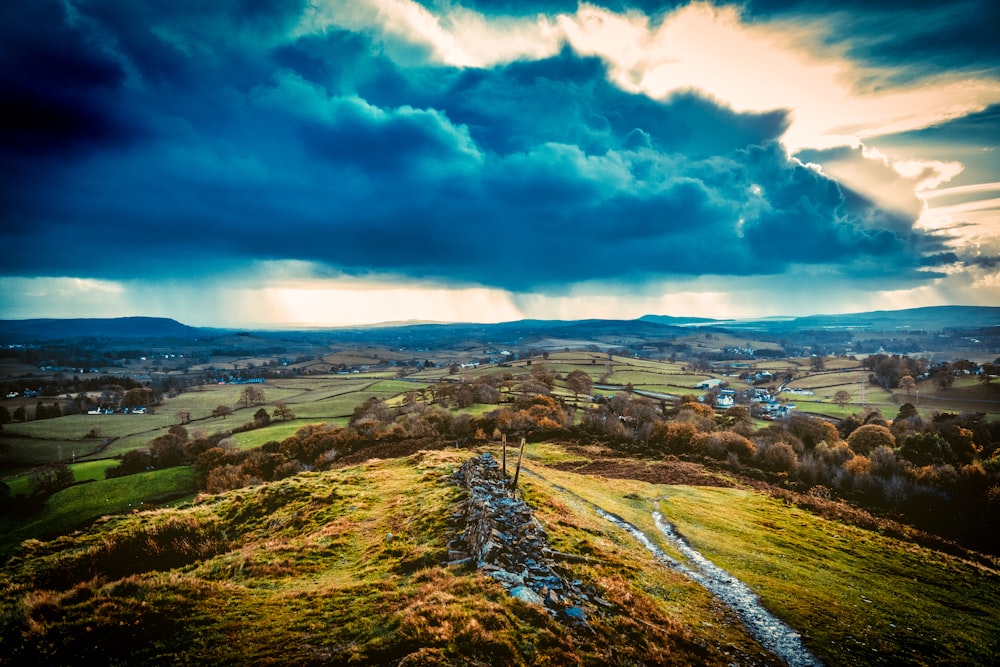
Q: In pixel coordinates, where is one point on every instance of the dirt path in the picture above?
(771, 632)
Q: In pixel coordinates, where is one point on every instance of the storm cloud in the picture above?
(176, 139)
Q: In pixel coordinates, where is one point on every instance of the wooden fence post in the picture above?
(503, 439)
(517, 471)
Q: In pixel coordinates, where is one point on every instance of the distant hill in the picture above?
(118, 327)
(931, 318)
(934, 318)
(670, 320)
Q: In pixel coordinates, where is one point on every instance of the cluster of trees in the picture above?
(176, 448)
(902, 372)
(112, 397)
(941, 473)
(59, 384)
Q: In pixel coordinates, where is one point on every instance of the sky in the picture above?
(284, 163)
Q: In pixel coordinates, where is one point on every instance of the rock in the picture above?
(575, 615)
(502, 537)
(526, 594)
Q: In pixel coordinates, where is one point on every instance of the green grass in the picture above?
(82, 472)
(341, 567)
(74, 506)
(857, 597)
(346, 567)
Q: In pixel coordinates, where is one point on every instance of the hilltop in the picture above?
(363, 564)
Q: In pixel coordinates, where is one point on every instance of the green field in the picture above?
(76, 505)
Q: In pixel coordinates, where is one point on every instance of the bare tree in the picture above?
(842, 398)
(251, 396)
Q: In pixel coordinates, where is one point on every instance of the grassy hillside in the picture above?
(347, 567)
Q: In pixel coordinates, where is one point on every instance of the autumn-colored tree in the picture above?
(673, 437)
(811, 431)
(720, 444)
(544, 375)
(907, 384)
(865, 439)
(776, 456)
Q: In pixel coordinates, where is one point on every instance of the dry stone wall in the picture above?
(501, 536)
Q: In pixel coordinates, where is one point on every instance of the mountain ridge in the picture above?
(933, 318)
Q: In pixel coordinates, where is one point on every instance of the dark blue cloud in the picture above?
(59, 92)
(202, 138)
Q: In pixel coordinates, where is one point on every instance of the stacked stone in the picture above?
(504, 540)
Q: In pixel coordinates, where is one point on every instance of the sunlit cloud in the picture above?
(750, 66)
(460, 37)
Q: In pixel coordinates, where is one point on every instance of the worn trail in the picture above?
(771, 632)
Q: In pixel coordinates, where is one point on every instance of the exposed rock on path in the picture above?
(771, 632)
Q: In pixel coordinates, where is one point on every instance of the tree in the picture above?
(988, 372)
(579, 383)
(944, 378)
(866, 439)
(817, 363)
(137, 397)
(673, 437)
(907, 384)
(283, 412)
(544, 375)
(922, 449)
(222, 411)
(20, 414)
(842, 398)
(251, 396)
(261, 418)
(183, 416)
(49, 478)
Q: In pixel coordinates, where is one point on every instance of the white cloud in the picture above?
(750, 66)
(762, 66)
(409, 32)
